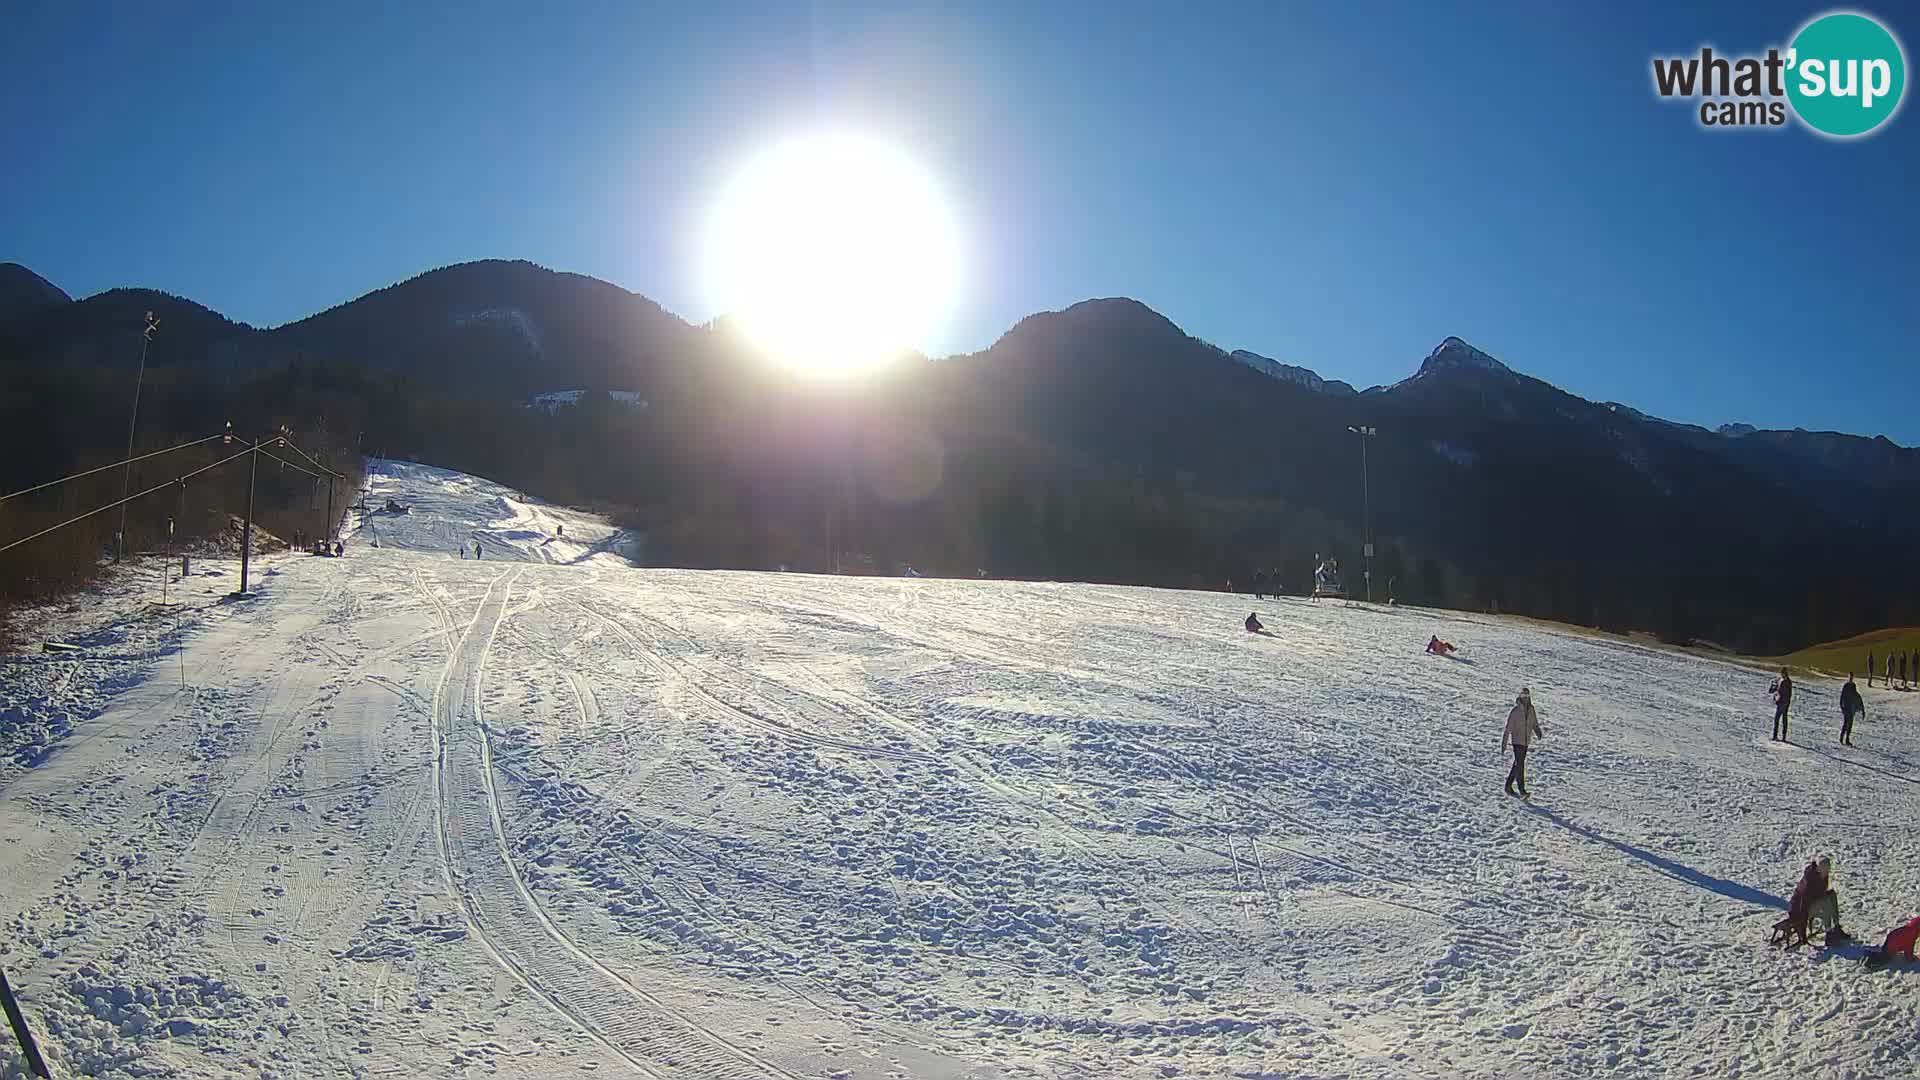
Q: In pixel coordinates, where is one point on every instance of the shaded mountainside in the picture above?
(1099, 442)
(486, 327)
(510, 326)
(22, 291)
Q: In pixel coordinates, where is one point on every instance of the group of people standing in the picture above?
(1903, 668)
(1852, 706)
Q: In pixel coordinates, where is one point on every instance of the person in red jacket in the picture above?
(1899, 945)
(1902, 939)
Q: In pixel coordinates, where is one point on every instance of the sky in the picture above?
(1337, 185)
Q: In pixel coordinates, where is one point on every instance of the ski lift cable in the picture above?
(115, 465)
(288, 443)
(128, 499)
(264, 447)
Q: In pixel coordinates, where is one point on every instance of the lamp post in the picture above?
(126, 477)
(1366, 505)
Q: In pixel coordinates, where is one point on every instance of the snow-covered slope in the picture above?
(554, 401)
(446, 510)
(408, 815)
(1292, 373)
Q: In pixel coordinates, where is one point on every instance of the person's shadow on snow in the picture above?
(1732, 890)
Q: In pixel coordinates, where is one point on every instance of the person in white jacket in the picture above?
(1523, 726)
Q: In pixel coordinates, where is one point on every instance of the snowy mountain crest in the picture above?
(1455, 353)
(1291, 373)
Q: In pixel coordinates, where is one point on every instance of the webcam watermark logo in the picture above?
(1843, 76)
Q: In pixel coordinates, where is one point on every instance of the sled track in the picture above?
(502, 914)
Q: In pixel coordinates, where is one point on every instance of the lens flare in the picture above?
(834, 252)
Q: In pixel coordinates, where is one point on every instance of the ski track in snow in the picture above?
(546, 814)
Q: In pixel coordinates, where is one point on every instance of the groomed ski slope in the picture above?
(545, 815)
(446, 510)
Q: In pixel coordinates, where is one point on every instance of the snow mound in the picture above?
(447, 510)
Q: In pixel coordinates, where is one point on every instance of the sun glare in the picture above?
(835, 253)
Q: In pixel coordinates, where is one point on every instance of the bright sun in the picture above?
(834, 252)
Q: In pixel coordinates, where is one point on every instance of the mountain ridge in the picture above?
(517, 333)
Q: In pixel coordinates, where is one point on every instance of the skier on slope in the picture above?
(1259, 584)
(1851, 705)
(1253, 623)
(1438, 647)
(1782, 691)
(1523, 726)
(1869, 668)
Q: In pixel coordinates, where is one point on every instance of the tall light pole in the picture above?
(126, 478)
(1366, 505)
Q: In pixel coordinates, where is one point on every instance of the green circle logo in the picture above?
(1846, 74)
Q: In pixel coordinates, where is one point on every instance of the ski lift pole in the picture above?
(1366, 505)
(36, 1065)
(166, 564)
(246, 531)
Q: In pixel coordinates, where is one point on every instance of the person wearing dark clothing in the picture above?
(1851, 705)
(1869, 669)
(1813, 895)
(1253, 623)
(1259, 585)
(1782, 698)
(1903, 671)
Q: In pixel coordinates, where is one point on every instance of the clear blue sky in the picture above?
(1338, 185)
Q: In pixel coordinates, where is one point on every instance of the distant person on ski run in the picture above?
(1438, 647)
(1523, 726)
(1259, 584)
(1253, 623)
(1869, 669)
(1782, 691)
(1903, 671)
(1850, 706)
